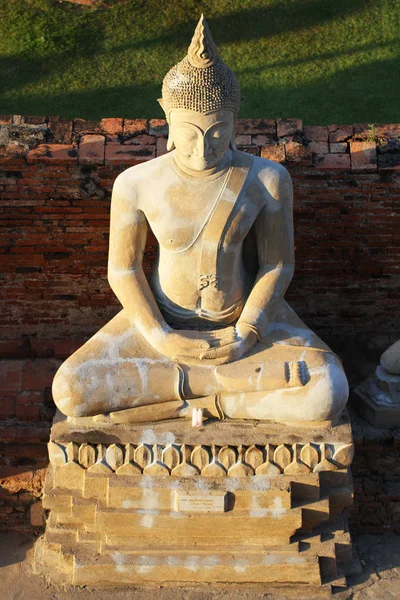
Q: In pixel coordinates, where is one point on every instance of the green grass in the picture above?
(325, 61)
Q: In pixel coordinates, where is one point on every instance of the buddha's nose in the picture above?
(202, 147)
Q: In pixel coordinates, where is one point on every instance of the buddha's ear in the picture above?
(232, 143)
(170, 142)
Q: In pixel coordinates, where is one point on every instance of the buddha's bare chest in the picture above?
(181, 213)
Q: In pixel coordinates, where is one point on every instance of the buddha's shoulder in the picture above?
(268, 171)
(144, 172)
(270, 177)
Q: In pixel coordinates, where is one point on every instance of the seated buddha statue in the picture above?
(209, 329)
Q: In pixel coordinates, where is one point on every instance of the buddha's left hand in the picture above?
(245, 339)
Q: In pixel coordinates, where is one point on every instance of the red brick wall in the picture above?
(56, 177)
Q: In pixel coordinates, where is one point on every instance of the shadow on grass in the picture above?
(251, 24)
(365, 91)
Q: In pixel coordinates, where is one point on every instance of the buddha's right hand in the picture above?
(191, 344)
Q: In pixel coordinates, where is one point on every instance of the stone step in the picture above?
(203, 566)
(314, 514)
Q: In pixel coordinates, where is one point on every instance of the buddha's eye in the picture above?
(219, 134)
(187, 135)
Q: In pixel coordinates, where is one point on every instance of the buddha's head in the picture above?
(201, 98)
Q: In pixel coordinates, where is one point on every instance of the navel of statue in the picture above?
(209, 333)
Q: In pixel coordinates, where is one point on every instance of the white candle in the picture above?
(197, 417)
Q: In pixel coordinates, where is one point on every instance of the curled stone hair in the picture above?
(201, 81)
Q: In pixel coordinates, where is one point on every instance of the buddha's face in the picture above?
(201, 140)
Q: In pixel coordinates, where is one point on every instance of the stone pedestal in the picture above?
(377, 399)
(230, 502)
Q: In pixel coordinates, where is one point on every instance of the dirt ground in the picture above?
(380, 580)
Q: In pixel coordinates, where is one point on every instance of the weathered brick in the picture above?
(127, 154)
(11, 375)
(333, 161)
(275, 153)
(161, 146)
(81, 126)
(135, 126)
(64, 348)
(319, 147)
(13, 152)
(31, 433)
(60, 130)
(56, 153)
(7, 406)
(340, 133)
(38, 374)
(143, 142)
(27, 412)
(34, 120)
(30, 397)
(158, 127)
(112, 127)
(257, 126)
(261, 140)
(338, 147)
(288, 127)
(316, 133)
(243, 140)
(19, 348)
(91, 149)
(298, 153)
(363, 156)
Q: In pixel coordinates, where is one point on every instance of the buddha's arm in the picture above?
(128, 234)
(274, 233)
(275, 247)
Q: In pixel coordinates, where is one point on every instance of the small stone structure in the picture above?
(168, 504)
(378, 398)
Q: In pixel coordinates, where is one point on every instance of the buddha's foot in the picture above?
(174, 409)
(151, 412)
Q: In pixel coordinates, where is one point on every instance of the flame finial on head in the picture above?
(201, 81)
(202, 51)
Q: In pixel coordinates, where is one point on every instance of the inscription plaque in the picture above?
(208, 501)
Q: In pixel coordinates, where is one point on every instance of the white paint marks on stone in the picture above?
(278, 511)
(240, 565)
(147, 521)
(148, 437)
(169, 437)
(295, 560)
(192, 563)
(270, 559)
(119, 560)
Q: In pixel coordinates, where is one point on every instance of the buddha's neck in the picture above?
(206, 174)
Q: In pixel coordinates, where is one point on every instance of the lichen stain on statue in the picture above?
(210, 330)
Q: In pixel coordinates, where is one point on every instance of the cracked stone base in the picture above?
(168, 504)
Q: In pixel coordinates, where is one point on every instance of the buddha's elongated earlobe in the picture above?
(232, 143)
(170, 142)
